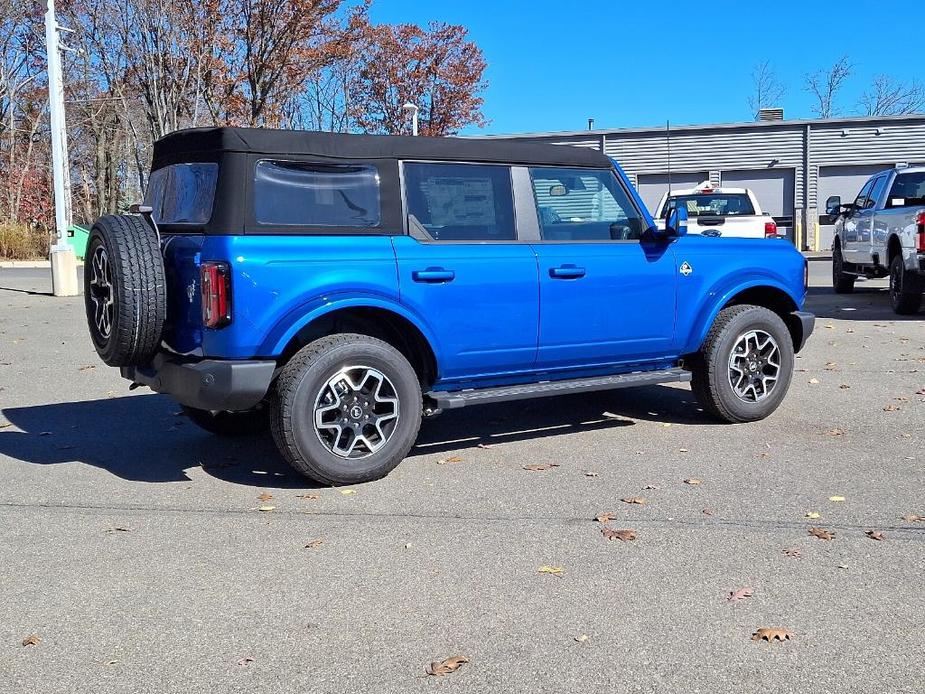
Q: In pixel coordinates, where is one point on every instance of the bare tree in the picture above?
(889, 97)
(767, 90)
(824, 85)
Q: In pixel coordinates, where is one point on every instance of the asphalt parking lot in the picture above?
(133, 545)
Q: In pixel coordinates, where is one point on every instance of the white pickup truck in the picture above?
(719, 212)
(883, 233)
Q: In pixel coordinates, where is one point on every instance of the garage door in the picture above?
(844, 181)
(774, 190)
(653, 186)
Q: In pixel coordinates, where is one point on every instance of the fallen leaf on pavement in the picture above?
(31, 640)
(813, 515)
(245, 661)
(445, 667)
(634, 500)
(553, 570)
(605, 517)
(451, 459)
(683, 450)
(622, 535)
(875, 535)
(772, 634)
(588, 473)
(891, 408)
(651, 486)
(314, 544)
(736, 595)
(920, 392)
(835, 432)
(266, 508)
(693, 480)
(831, 365)
(814, 381)
(913, 518)
(793, 552)
(821, 533)
(581, 638)
(117, 530)
(484, 445)
(307, 496)
(836, 498)
(708, 512)
(88, 367)
(265, 496)
(844, 386)
(540, 467)
(347, 492)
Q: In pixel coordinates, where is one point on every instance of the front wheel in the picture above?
(842, 282)
(745, 365)
(347, 409)
(905, 288)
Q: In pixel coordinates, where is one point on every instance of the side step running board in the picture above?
(449, 400)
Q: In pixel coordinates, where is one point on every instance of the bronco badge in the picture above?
(686, 268)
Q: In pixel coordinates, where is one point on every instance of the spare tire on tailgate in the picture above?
(124, 290)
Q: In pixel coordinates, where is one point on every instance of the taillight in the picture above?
(920, 236)
(215, 279)
(770, 229)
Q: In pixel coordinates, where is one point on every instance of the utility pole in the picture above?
(63, 260)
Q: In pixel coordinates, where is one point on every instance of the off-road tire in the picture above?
(225, 423)
(905, 288)
(137, 289)
(842, 282)
(292, 405)
(711, 383)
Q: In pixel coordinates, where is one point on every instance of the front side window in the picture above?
(711, 205)
(182, 193)
(583, 205)
(288, 193)
(460, 202)
(908, 190)
(860, 202)
(876, 191)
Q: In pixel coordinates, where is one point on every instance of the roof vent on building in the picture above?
(771, 114)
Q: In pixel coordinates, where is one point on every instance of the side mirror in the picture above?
(676, 224)
(833, 205)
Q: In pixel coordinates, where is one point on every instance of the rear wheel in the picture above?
(905, 288)
(842, 283)
(225, 423)
(347, 409)
(745, 365)
(125, 293)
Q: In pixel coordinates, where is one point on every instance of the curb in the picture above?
(29, 264)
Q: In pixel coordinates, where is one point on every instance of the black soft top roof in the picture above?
(199, 143)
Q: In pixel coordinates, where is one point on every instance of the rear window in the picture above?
(182, 193)
(291, 193)
(460, 202)
(908, 190)
(711, 205)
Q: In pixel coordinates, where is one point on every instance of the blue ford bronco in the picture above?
(336, 288)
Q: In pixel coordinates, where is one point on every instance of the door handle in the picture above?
(433, 275)
(566, 272)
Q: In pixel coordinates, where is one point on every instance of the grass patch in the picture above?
(22, 242)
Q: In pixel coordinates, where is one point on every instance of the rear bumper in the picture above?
(210, 384)
(804, 322)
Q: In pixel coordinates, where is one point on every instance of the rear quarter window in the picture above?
(182, 193)
(908, 191)
(308, 194)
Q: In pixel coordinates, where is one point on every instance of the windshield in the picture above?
(711, 205)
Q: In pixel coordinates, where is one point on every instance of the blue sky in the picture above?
(552, 65)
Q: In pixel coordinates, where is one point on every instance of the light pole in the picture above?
(414, 116)
(63, 260)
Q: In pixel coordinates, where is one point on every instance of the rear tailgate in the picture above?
(737, 226)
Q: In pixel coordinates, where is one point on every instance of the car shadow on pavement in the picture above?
(557, 416)
(863, 304)
(142, 438)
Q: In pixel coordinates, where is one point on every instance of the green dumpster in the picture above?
(77, 237)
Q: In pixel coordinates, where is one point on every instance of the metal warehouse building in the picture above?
(791, 165)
